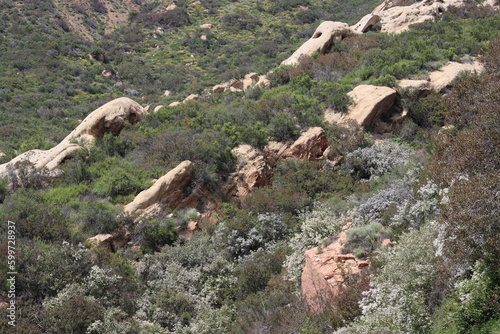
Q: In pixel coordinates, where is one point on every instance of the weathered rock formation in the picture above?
(167, 191)
(441, 79)
(110, 118)
(327, 271)
(367, 23)
(250, 80)
(422, 88)
(369, 103)
(322, 40)
(397, 15)
(310, 146)
(252, 170)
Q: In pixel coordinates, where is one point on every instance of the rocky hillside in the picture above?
(250, 167)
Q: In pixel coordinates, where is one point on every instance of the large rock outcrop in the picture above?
(368, 104)
(397, 15)
(110, 118)
(167, 191)
(252, 170)
(367, 23)
(311, 145)
(441, 79)
(422, 88)
(248, 81)
(327, 272)
(322, 40)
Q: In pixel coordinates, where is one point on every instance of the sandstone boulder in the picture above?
(310, 146)
(194, 97)
(367, 23)
(237, 84)
(110, 118)
(446, 74)
(157, 108)
(174, 104)
(252, 170)
(102, 240)
(172, 6)
(217, 89)
(397, 15)
(421, 88)
(326, 271)
(206, 26)
(167, 191)
(369, 103)
(392, 3)
(322, 40)
(275, 151)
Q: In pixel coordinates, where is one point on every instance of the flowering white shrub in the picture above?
(415, 212)
(267, 229)
(373, 209)
(377, 160)
(320, 223)
(397, 301)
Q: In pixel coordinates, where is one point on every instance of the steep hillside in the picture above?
(249, 167)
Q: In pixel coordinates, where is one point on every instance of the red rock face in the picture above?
(310, 146)
(327, 271)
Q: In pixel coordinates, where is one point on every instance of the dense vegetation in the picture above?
(432, 190)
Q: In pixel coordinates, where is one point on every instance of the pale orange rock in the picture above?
(310, 146)
(369, 103)
(326, 271)
(386, 243)
(172, 6)
(322, 39)
(445, 75)
(252, 170)
(167, 191)
(109, 118)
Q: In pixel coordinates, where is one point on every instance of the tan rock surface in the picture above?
(421, 87)
(102, 240)
(367, 23)
(397, 15)
(252, 170)
(167, 190)
(442, 78)
(322, 39)
(311, 145)
(369, 103)
(325, 271)
(110, 118)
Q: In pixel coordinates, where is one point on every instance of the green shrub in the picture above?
(157, 233)
(74, 316)
(120, 180)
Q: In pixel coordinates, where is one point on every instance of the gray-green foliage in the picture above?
(377, 160)
(323, 221)
(398, 299)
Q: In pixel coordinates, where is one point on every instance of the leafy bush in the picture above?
(240, 20)
(157, 233)
(324, 221)
(362, 240)
(119, 181)
(398, 299)
(377, 160)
